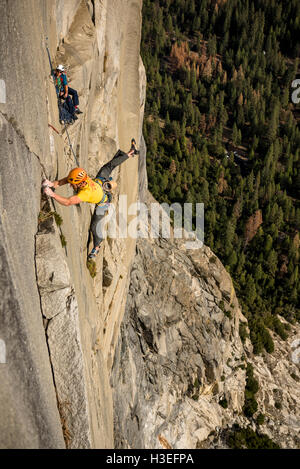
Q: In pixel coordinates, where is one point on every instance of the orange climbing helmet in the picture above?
(77, 175)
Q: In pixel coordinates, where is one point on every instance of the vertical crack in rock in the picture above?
(46, 323)
(59, 307)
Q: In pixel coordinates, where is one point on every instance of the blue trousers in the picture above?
(72, 101)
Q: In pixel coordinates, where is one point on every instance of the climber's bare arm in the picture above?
(61, 182)
(66, 201)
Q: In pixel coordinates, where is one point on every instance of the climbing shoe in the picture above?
(74, 117)
(77, 111)
(93, 253)
(133, 147)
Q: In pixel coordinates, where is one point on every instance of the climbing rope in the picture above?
(49, 56)
(70, 145)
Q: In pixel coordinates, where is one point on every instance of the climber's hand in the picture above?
(48, 183)
(48, 191)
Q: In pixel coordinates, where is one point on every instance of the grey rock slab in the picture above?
(29, 415)
(67, 362)
(52, 269)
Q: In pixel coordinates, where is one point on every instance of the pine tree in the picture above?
(173, 167)
(273, 124)
(251, 290)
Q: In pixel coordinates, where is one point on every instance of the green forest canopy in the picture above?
(221, 128)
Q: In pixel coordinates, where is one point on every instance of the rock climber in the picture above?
(65, 92)
(95, 191)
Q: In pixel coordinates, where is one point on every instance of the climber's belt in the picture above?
(104, 198)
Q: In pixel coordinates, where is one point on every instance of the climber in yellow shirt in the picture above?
(92, 191)
(95, 191)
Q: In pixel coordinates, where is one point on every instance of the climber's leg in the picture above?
(97, 228)
(70, 105)
(133, 148)
(118, 159)
(74, 95)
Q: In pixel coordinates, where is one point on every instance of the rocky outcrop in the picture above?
(179, 370)
(64, 12)
(278, 396)
(179, 352)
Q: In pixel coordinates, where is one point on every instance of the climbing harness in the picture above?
(107, 197)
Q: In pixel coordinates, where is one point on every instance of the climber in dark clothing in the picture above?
(65, 92)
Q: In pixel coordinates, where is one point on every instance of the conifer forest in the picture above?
(222, 127)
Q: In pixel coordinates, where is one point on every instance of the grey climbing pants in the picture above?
(118, 159)
(97, 224)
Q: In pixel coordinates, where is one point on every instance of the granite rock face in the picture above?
(278, 396)
(60, 310)
(28, 409)
(179, 351)
(62, 379)
(179, 371)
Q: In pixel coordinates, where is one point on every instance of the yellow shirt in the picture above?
(92, 192)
